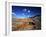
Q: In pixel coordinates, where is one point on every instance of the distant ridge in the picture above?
(35, 16)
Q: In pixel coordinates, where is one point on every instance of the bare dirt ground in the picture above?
(25, 24)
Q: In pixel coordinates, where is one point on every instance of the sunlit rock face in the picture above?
(31, 23)
(37, 21)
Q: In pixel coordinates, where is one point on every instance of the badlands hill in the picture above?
(31, 23)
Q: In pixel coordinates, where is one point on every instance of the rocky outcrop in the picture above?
(31, 23)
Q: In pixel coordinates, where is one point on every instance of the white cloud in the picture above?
(25, 9)
(28, 11)
(23, 14)
(13, 13)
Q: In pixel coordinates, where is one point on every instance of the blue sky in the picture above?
(25, 11)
